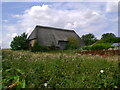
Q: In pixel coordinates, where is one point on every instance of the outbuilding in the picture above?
(49, 35)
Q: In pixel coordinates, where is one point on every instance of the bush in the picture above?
(101, 46)
(39, 48)
(52, 47)
(72, 44)
(20, 42)
(86, 48)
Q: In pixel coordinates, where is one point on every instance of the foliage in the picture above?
(86, 48)
(19, 42)
(39, 48)
(110, 40)
(60, 70)
(108, 35)
(72, 43)
(99, 46)
(89, 39)
(18, 80)
(52, 47)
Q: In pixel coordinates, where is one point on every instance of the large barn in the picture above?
(48, 35)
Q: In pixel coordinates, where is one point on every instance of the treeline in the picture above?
(92, 43)
(90, 39)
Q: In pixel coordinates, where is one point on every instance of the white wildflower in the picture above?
(97, 55)
(45, 84)
(101, 71)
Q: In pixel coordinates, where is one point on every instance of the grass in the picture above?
(59, 70)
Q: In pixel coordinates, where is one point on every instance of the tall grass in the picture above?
(59, 70)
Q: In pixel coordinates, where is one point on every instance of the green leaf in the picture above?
(22, 83)
(18, 70)
(16, 78)
(8, 79)
(7, 70)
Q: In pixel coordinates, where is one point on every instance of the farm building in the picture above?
(48, 35)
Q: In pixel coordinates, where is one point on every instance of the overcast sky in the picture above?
(83, 17)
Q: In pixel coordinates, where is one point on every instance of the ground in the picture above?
(59, 69)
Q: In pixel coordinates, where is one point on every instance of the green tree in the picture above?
(108, 35)
(89, 39)
(20, 42)
(109, 38)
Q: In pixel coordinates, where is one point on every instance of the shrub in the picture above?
(72, 43)
(20, 42)
(52, 47)
(39, 48)
(86, 48)
(100, 46)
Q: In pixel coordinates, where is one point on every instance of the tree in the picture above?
(89, 39)
(108, 35)
(20, 42)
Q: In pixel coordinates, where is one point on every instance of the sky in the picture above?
(83, 17)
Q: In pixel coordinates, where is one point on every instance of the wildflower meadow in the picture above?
(25, 69)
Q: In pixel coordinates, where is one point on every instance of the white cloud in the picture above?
(13, 35)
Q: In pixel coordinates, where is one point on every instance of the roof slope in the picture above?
(48, 35)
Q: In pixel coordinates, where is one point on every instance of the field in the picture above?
(62, 69)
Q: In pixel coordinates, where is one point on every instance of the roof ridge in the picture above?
(55, 28)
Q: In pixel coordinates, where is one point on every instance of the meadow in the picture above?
(62, 69)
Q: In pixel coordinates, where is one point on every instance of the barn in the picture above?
(48, 35)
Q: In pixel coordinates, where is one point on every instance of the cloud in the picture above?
(70, 19)
(82, 19)
(4, 21)
(13, 35)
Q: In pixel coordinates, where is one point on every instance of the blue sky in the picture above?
(83, 17)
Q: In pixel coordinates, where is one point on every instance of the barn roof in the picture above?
(46, 35)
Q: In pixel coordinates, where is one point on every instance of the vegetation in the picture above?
(72, 43)
(89, 39)
(58, 70)
(109, 40)
(108, 35)
(52, 47)
(99, 46)
(20, 42)
(39, 48)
